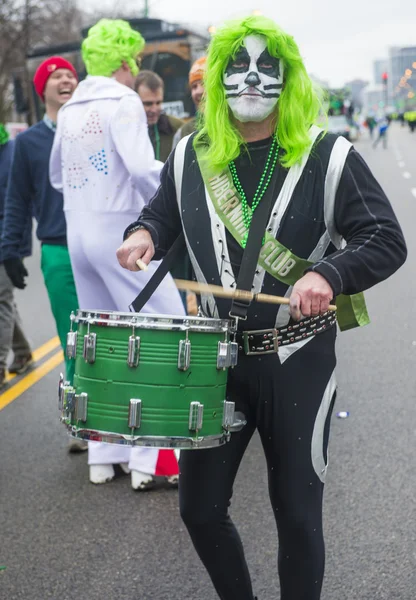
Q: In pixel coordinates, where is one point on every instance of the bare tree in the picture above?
(25, 25)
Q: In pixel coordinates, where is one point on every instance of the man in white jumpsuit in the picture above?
(103, 162)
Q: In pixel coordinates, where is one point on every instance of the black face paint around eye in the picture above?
(242, 58)
(269, 65)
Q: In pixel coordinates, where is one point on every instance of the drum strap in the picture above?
(171, 258)
(251, 252)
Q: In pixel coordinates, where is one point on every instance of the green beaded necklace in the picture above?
(261, 188)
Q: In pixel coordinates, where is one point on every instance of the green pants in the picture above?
(59, 281)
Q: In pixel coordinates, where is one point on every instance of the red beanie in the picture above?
(45, 70)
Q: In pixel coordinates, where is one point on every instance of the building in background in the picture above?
(374, 96)
(356, 87)
(402, 77)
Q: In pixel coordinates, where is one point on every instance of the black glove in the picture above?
(16, 271)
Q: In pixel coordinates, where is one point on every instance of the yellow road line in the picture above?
(39, 353)
(30, 379)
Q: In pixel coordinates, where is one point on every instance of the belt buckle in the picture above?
(270, 337)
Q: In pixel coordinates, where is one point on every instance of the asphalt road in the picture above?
(65, 539)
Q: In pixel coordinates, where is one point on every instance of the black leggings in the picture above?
(290, 404)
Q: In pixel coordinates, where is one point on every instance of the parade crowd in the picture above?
(105, 160)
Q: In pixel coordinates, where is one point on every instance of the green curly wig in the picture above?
(109, 43)
(4, 135)
(298, 108)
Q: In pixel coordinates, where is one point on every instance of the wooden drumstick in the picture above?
(142, 265)
(217, 290)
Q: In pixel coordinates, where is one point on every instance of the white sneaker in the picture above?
(75, 445)
(173, 481)
(125, 468)
(101, 473)
(142, 481)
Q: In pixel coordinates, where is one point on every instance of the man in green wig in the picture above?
(103, 162)
(331, 233)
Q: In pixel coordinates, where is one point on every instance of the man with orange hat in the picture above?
(196, 83)
(30, 193)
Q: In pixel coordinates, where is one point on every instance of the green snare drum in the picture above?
(149, 380)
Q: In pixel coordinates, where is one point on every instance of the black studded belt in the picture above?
(267, 341)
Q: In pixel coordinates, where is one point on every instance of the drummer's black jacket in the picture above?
(375, 247)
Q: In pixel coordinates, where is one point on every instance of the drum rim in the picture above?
(151, 321)
(152, 441)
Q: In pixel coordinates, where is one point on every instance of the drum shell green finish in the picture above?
(165, 391)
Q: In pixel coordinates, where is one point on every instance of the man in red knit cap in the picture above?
(30, 193)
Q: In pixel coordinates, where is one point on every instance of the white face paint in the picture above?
(253, 81)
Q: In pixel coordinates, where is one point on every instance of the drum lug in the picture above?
(196, 416)
(223, 355)
(89, 347)
(134, 351)
(69, 399)
(184, 355)
(81, 405)
(233, 354)
(228, 415)
(60, 391)
(71, 344)
(135, 413)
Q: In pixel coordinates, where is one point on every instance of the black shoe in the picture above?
(21, 364)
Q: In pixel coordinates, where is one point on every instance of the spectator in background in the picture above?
(371, 124)
(382, 126)
(11, 332)
(196, 83)
(30, 193)
(104, 163)
(162, 127)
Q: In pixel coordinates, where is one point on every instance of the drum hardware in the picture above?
(228, 415)
(184, 354)
(90, 340)
(196, 416)
(135, 413)
(134, 350)
(81, 405)
(71, 340)
(239, 422)
(69, 399)
(223, 355)
(233, 354)
(61, 391)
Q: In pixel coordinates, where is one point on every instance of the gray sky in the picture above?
(338, 40)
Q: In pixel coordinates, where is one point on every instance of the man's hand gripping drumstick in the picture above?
(137, 251)
(310, 296)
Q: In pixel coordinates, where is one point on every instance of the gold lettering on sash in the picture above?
(236, 218)
(279, 262)
(230, 204)
(218, 180)
(276, 252)
(221, 190)
(287, 266)
(265, 250)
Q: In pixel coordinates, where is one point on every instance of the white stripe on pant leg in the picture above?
(144, 460)
(107, 454)
(318, 460)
